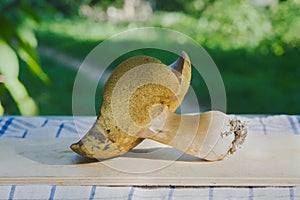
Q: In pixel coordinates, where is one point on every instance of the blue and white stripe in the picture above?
(32, 192)
(36, 127)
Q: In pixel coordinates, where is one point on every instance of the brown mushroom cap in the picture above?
(133, 88)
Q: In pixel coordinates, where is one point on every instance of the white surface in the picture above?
(263, 160)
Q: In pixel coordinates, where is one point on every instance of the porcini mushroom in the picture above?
(132, 89)
(139, 99)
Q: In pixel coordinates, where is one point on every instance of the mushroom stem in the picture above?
(211, 135)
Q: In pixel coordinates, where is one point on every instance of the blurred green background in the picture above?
(254, 43)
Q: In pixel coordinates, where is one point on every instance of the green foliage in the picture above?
(17, 39)
(69, 8)
(285, 19)
(9, 67)
(192, 7)
(231, 24)
(107, 3)
(239, 24)
(66, 7)
(255, 48)
(233, 27)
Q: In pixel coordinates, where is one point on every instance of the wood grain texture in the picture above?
(262, 161)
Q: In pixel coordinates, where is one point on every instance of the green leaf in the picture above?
(25, 103)
(27, 36)
(32, 64)
(28, 54)
(31, 12)
(9, 68)
(9, 65)
(27, 43)
(1, 109)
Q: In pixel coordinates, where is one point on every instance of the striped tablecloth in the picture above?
(59, 127)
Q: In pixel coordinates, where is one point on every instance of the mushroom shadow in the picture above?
(57, 152)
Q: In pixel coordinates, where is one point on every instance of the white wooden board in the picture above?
(262, 161)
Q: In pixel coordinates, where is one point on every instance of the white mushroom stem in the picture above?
(210, 135)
